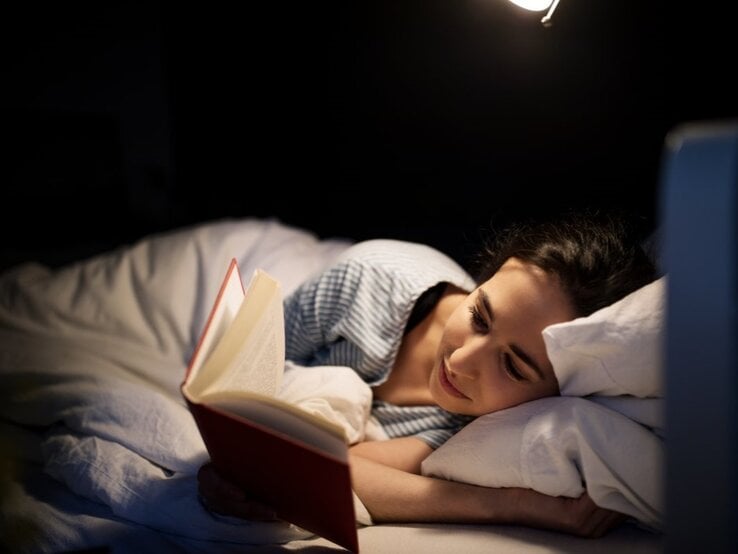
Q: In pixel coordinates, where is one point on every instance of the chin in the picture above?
(439, 397)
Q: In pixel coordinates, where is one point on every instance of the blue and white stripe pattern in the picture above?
(354, 314)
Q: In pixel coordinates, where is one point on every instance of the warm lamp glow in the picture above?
(533, 5)
(539, 6)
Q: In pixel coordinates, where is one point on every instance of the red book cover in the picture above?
(305, 486)
(251, 442)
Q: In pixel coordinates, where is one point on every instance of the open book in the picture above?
(294, 461)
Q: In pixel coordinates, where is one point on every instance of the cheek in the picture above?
(496, 391)
(492, 385)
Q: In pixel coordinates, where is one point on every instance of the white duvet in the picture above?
(94, 353)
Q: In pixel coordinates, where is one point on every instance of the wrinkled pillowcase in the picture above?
(556, 445)
(559, 446)
(614, 351)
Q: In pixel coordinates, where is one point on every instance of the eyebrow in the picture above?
(519, 352)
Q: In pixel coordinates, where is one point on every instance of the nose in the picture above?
(466, 361)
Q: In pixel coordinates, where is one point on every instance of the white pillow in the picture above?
(609, 443)
(614, 351)
(559, 446)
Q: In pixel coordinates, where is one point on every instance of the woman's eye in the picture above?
(511, 369)
(477, 320)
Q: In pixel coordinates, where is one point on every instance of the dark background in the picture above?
(427, 120)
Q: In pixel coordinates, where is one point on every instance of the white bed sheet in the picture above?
(91, 359)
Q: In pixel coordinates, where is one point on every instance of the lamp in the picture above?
(538, 6)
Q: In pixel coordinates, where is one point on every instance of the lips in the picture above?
(446, 383)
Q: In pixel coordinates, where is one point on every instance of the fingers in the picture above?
(592, 521)
(223, 497)
(213, 485)
(607, 521)
(246, 509)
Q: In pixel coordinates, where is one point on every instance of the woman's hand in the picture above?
(577, 516)
(223, 497)
(589, 520)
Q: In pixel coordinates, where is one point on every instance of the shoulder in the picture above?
(382, 271)
(401, 258)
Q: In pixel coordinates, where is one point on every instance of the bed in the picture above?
(101, 452)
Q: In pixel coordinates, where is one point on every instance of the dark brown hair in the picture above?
(597, 257)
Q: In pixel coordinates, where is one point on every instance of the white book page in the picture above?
(226, 306)
(258, 364)
(250, 355)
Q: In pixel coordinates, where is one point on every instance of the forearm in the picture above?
(394, 495)
(405, 453)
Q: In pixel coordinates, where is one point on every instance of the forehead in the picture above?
(527, 288)
(519, 274)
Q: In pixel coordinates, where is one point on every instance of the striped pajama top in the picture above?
(354, 314)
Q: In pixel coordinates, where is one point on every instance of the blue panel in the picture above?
(699, 210)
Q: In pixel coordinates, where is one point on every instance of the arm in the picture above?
(405, 454)
(391, 494)
(385, 477)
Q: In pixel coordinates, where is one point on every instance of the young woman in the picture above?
(439, 348)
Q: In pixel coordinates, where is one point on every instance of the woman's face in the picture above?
(492, 355)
